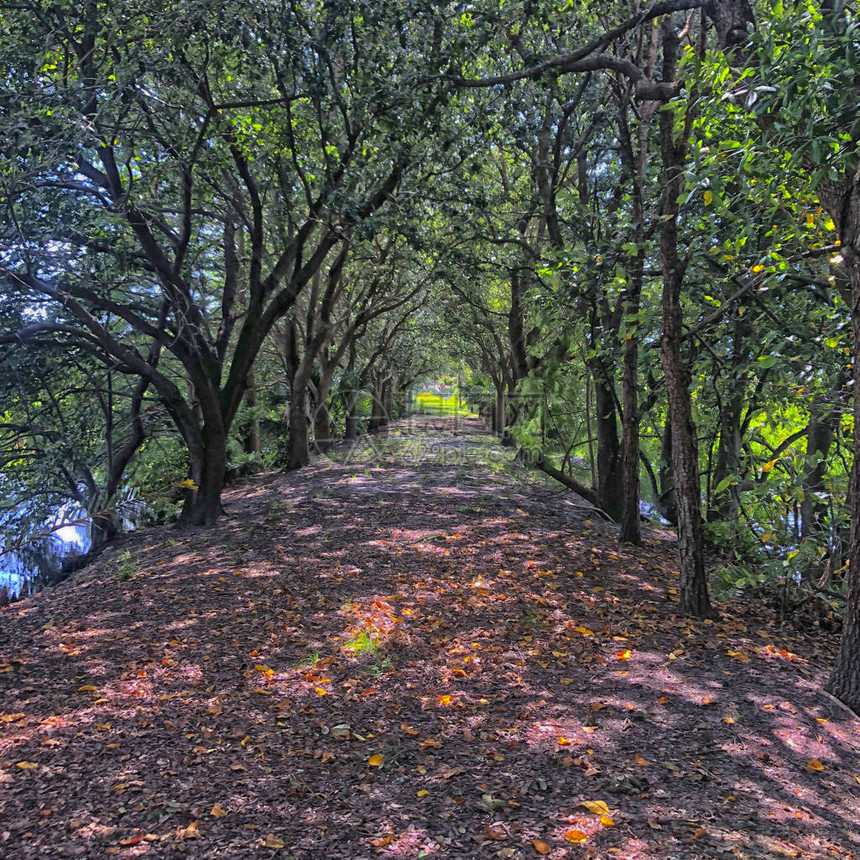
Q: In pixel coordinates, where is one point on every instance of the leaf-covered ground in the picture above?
(418, 651)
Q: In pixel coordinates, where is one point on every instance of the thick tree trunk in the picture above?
(209, 473)
(843, 203)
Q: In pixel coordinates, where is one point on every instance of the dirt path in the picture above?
(418, 651)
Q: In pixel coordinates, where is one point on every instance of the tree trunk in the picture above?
(251, 430)
(298, 448)
(843, 204)
(322, 423)
(725, 504)
(693, 590)
(609, 465)
(630, 531)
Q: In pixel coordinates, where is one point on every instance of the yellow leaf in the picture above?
(376, 760)
(766, 537)
(708, 198)
(262, 692)
(606, 821)
(768, 466)
(87, 688)
(739, 656)
(575, 836)
(598, 807)
(810, 219)
(814, 765)
(541, 847)
(272, 841)
(758, 268)
(187, 484)
(189, 832)
(26, 765)
(584, 631)
(264, 669)
(444, 700)
(623, 655)
(423, 793)
(217, 811)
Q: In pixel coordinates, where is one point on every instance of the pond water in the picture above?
(38, 563)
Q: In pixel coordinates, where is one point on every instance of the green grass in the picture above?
(433, 404)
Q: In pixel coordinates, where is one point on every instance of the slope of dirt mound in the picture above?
(411, 649)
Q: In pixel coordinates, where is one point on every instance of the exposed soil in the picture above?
(416, 649)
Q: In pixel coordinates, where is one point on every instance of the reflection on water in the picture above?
(38, 563)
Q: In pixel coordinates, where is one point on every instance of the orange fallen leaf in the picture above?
(541, 847)
(189, 832)
(494, 833)
(217, 811)
(576, 836)
(623, 655)
(606, 821)
(814, 765)
(408, 730)
(87, 688)
(642, 761)
(376, 760)
(444, 700)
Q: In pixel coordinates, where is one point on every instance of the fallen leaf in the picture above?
(811, 766)
(26, 765)
(87, 688)
(217, 811)
(598, 807)
(575, 836)
(494, 833)
(189, 832)
(376, 760)
(541, 847)
(642, 761)
(584, 631)
(623, 655)
(606, 821)
(422, 793)
(271, 841)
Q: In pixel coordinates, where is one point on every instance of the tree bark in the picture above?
(693, 586)
(842, 201)
(609, 456)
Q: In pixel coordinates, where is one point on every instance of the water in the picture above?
(38, 563)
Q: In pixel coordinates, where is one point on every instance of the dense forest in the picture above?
(235, 234)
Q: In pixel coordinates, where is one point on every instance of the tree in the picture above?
(221, 169)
